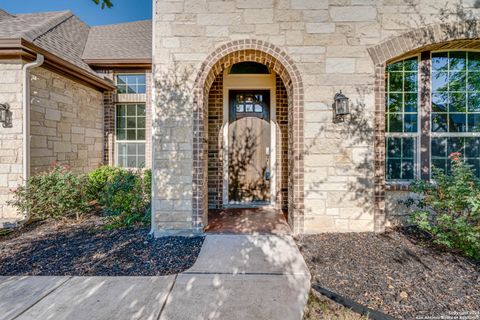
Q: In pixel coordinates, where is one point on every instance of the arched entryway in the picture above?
(287, 78)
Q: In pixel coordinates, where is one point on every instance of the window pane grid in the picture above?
(455, 92)
(401, 123)
(401, 158)
(442, 147)
(130, 135)
(130, 122)
(402, 96)
(455, 108)
(131, 83)
(131, 154)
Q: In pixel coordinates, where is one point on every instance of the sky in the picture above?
(86, 10)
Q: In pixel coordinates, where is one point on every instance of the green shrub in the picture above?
(449, 208)
(126, 198)
(98, 179)
(57, 193)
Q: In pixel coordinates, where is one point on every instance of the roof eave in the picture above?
(144, 63)
(26, 50)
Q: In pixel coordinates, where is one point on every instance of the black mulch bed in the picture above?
(87, 249)
(396, 273)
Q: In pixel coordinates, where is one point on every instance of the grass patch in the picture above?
(321, 308)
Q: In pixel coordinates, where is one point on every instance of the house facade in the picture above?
(407, 67)
(232, 104)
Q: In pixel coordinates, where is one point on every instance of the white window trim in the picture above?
(446, 134)
(115, 75)
(416, 134)
(116, 142)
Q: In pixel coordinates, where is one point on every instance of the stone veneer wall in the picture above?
(329, 42)
(10, 138)
(66, 123)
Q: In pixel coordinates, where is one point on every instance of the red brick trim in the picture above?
(279, 62)
(432, 37)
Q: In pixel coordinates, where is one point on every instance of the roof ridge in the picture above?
(5, 13)
(48, 25)
(119, 24)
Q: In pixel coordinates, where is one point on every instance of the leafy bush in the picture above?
(57, 193)
(98, 179)
(126, 198)
(449, 208)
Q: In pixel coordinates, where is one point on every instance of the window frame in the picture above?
(445, 134)
(117, 142)
(416, 134)
(424, 132)
(130, 74)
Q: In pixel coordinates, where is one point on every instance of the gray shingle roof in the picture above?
(30, 26)
(4, 15)
(60, 33)
(131, 40)
(66, 36)
(66, 40)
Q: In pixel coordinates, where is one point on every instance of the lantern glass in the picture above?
(342, 107)
(341, 104)
(3, 114)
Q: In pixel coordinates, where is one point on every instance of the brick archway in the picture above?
(433, 37)
(279, 62)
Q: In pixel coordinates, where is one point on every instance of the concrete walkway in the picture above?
(235, 277)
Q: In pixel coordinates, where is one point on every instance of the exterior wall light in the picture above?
(5, 115)
(341, 106)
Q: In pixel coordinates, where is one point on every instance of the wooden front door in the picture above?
(249, 147)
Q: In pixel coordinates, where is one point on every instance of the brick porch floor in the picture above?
(248, 221)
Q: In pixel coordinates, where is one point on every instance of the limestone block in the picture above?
(254, 4)
(309, 4)
(321, 27)
(340, 65)
(256, 15)
(221, 6)
(316, 224)
(267, 28)
(184, 30)
(294, 37)
(353, 13)
(171, 42)
(361, 225)
(286, 15)
(171, 7)
(216, 31)
(218, 19)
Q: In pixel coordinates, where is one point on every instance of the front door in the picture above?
(249, 147)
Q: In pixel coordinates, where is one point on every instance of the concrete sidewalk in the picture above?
(234, 277)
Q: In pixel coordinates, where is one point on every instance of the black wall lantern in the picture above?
(341, 106)
(5, 115)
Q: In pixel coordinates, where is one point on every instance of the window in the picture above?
(455, 116)
(469, 147)
(453, 79)
(249, 103)
(401, 123)
(131, 83)
(130, 135)
(249, 67)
